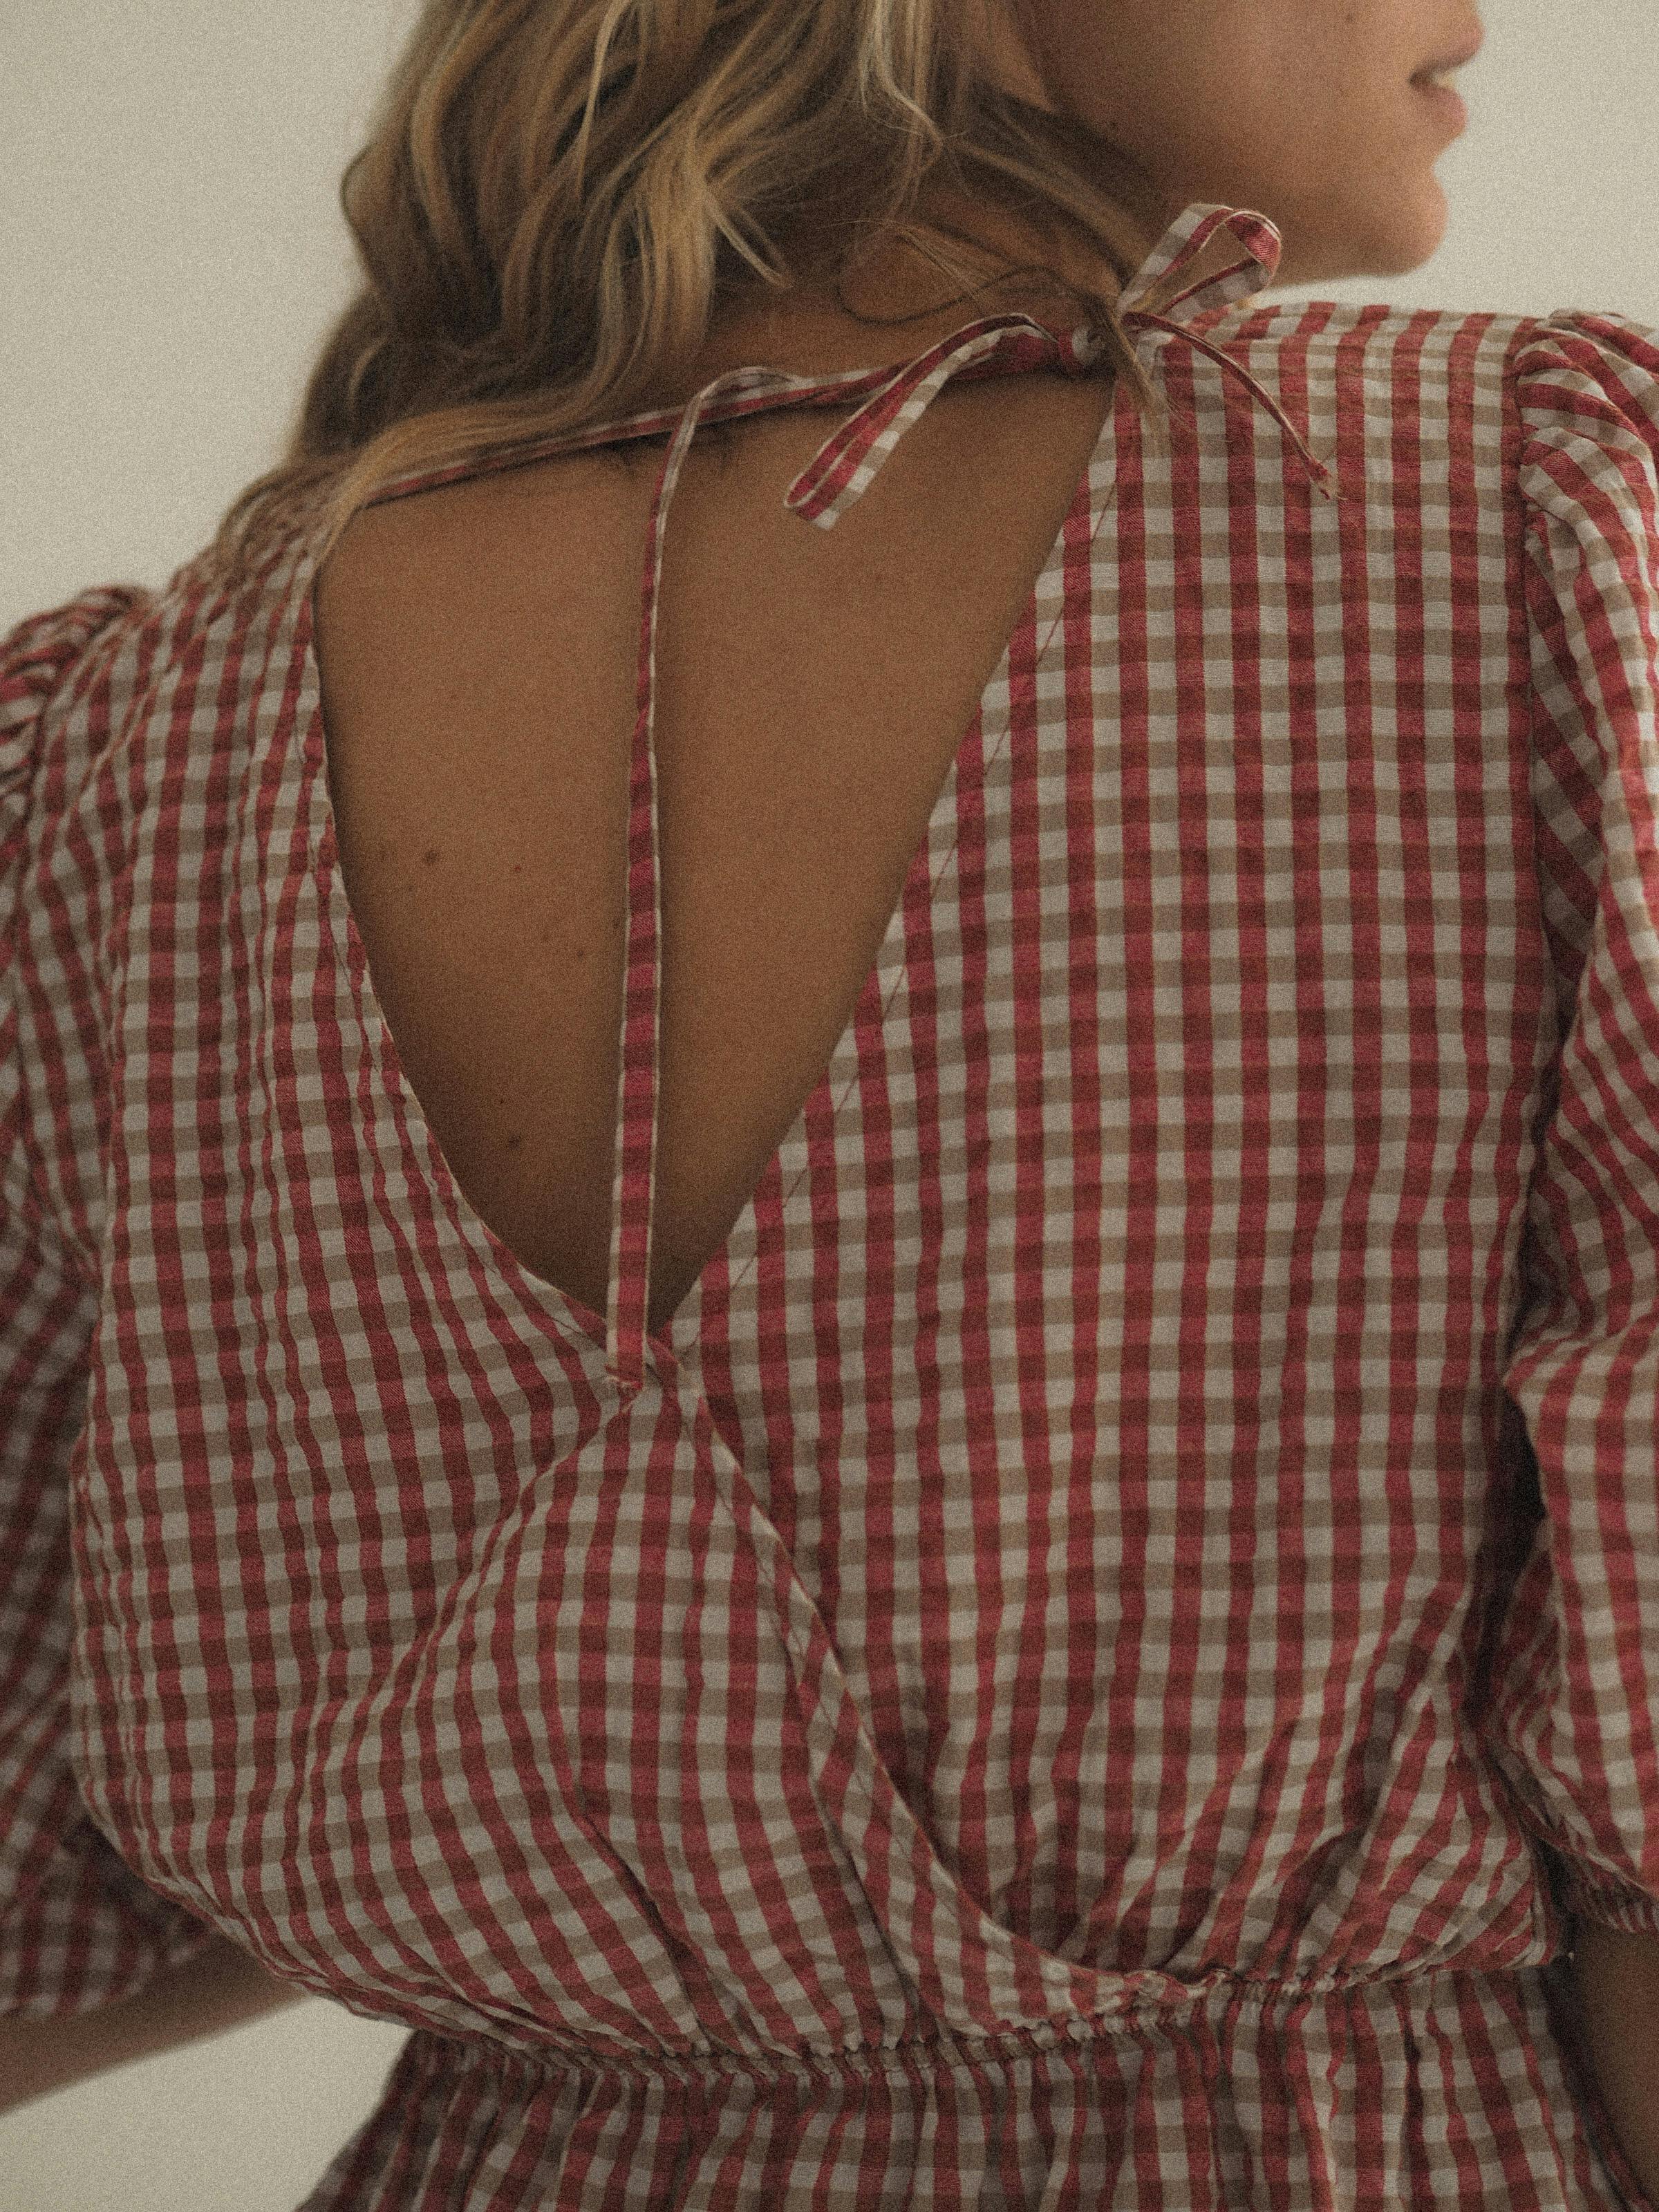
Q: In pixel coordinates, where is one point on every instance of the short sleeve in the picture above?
(1573, 1719)
(77, 1927)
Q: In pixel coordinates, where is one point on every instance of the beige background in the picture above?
(170, 254)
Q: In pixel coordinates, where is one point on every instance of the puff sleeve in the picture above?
(78, 1929)
(1574, 1720)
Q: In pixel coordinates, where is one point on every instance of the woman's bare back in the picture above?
(479, 650)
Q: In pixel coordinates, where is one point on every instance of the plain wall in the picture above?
(170, 253)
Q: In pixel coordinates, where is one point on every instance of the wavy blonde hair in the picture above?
(557, 196)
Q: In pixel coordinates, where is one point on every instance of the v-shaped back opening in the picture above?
(632, 1322)
(843, 469)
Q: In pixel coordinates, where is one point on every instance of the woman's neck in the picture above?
(893, 303)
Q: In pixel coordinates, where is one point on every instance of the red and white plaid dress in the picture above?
(1091, 1662)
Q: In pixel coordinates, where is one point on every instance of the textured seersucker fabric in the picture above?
(1091, 1663)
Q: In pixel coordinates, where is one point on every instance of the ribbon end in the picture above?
(1324, 480)
(804, 498)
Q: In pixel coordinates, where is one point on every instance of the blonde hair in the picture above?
(556, 196)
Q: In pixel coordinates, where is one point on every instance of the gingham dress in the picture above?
(1091, 1660)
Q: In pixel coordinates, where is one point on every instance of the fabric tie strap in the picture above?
(848, 462)
(838, 475)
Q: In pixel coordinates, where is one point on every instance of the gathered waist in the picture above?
(1448, 2091)
(1213, 2010)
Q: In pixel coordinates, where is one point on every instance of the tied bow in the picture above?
(1181, 245)
(847, 463)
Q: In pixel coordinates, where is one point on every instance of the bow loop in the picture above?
(850, 458)
(1186, 239)
(1181, 245)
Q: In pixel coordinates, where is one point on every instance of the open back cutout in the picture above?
(477, 647)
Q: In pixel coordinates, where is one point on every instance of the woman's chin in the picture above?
(1369, 247)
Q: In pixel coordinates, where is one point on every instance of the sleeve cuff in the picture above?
(1611, 1903)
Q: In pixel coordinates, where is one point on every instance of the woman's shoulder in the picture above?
(106, 669)
(1352, 336)
(1587, 374)
(1498, 395)
(49, 656)
(1346, 331)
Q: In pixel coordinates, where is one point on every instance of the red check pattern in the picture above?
(1092, 1660)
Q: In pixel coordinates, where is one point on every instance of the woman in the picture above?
(843, 1338)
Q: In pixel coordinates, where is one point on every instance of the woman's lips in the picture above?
(1450, 103)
